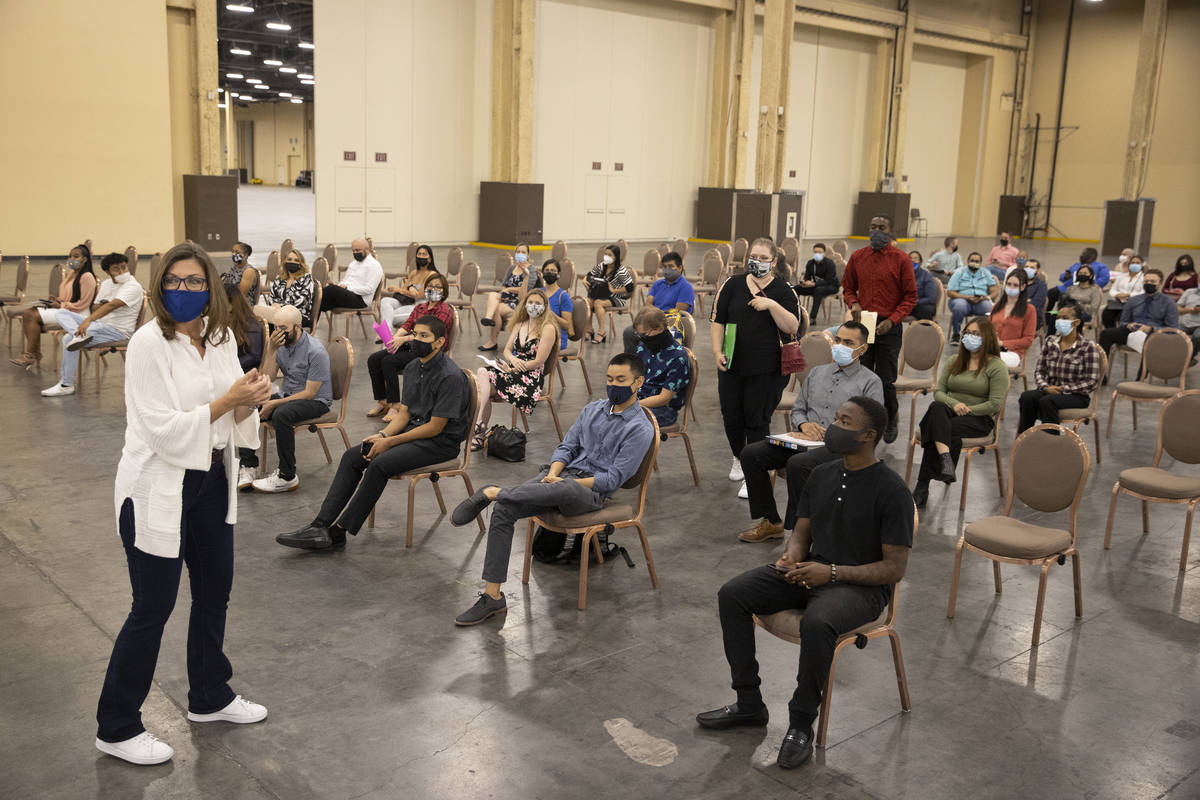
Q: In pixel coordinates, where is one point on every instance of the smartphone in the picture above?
(365, 448)
(779, 569)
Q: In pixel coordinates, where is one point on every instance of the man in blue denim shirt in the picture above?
(603, 449)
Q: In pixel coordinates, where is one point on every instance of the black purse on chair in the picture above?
(506, 444)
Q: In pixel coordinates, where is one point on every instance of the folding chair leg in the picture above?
(529, 552)
(437, 491)
(901, 675)
(345, 438)
(1187, 536)
(958, 554)
(996, 577)
(371, 518)
(1096, 430)
(646, 552)
(408, 527)
(999, 471)
(554, 414)
(1078, 579)
(1133, 407)
(962, 499)
(1041, 602)
(325, 447)
(586, 380)
(584, 558)
(687, 443)
(1145, 518)
(827, 697)
(1112, 509)
(1112, 406)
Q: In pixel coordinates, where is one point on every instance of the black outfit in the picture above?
(761, 458)
(1039, 404)
(749, 390)
(284, 420)
(206, 547)
(250, 357)
(852, 514)
(941, 424)
(438, 388)
(882, 358)
(385, 369)
(824, 274)
(334, 296)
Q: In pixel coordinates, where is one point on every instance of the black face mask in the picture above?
(292, 267)
(1150, 288)
(420, 348)
(289, 339)
(422, 263)
(550, 277)
(839, 441)
(657, 341)
(1004, 242)
(359, 256)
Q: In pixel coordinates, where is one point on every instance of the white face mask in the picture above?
(122, 278)
(607, 260)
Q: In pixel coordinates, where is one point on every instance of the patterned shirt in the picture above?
(299, 294)
(513, 280)
(1075, 370)
(443, 311)
(667, 369)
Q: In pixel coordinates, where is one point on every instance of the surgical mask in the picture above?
(433, 295)
(359, 256)
(184, 306)
(1122, 258)
(238, 258)
(1011, 291)
(879, 240)
(843, 355)
(1064, 326)
(420, 348)
(670, 275)
(972, 341)
(535, 310)
(422, 263)
(606, 260)
(292, 266)
(619, 394)
(122, 278)
(550, 277)
(1030, 272)
(1150, 288)
(757, 268)
(818, 257)
(840, 441)
(520, 258)
(1135, 268)
(657, 341)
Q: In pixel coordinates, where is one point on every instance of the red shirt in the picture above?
(881, 281)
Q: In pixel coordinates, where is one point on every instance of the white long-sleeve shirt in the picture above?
(363, 277)
(1125, 283)
(168, 389)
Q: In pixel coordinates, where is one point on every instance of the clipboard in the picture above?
(869, 319)
(728, 344)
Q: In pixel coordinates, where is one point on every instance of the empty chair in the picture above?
(132, 255)
(1165, 356)
(920, 349)
(1047, 472)
(504, 262)
(468, 279)
(454, 262)
(17, 296)
(710, 273)
(737, 258)
(919, 225)
(559, 251)
(1178, 437)
(331, 258)
(320, 271)
(791, 252)
(726, 252)
(580, 317)
(680, 246)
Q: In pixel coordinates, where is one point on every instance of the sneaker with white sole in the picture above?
(58, 390)
(241, 711)
(80, 342)
(743, 493)
(273, 484)
(245, 478)
(735, 471)
(145, 748)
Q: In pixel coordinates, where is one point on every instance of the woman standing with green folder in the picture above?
(752, 311)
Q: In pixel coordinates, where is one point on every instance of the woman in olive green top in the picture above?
(970, 390)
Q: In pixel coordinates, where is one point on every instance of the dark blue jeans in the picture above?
(207, 548)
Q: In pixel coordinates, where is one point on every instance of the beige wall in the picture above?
(281, 133)
(1096, 112)
(85, 150)
(932, 140)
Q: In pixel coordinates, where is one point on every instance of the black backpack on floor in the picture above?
(555, 547)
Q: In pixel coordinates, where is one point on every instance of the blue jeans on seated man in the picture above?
(567, 497)
(961, 309)
(100, 332)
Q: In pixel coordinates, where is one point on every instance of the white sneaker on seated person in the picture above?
(58, 390)
(145, 748)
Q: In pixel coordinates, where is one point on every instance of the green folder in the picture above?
(730, 339)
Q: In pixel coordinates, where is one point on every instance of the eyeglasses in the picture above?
(192, 283)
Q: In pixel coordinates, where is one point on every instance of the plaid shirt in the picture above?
(1075, 370)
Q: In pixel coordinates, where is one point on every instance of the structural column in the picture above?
(720, 105)
(1145, 97)
(743, 57)
(512, 89)
(901, 77)
(778, 24)
(207, 114)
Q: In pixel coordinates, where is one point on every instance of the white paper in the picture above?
(869, 319)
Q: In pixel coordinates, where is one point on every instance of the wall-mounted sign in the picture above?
(349, 155)
(380, 157)
(791, 173)
(595, 165)
(619, 166)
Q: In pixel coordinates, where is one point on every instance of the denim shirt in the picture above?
(1156, 310)
(607, 445)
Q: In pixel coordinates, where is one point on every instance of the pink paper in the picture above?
(384, 330)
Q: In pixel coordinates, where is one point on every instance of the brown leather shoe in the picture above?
(763, 531)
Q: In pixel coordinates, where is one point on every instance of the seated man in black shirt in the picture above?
(429, 427)
(851, 543)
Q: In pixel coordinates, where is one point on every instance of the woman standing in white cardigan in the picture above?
(188, 409)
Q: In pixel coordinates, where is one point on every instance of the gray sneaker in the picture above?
(469, 509)
(484, 609)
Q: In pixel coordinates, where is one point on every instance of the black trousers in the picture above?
(206, 546)
(1110, 315)
(829, 611)
(334, 296)
(925, 310)
(747, 403)
(359, 483)
(1113, 336)
(1039, 404)
(817, 293)
(941, 424)
(759, 458)
(882, 358)
(284, 420)
(385, 369)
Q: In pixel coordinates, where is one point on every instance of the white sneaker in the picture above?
(145, 748)
(743, 493)
(273, 484)
(735, 471)
(58, 390)
(241, 711)
(80, 342)
(245, 478)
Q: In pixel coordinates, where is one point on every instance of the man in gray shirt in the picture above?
(823, 391)
(944, 262)
(306, 393)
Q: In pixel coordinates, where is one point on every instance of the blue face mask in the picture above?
(842, 355)
(972, 341)
(520, 258)
(184, 306)
(1134, 269)
(916, 265)
(1011, 292)
(817, 257)
(1064, 326)
(1030, 272)
(619, 394)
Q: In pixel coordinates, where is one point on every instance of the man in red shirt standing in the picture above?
(880, 278)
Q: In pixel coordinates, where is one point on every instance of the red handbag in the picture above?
(791, 357)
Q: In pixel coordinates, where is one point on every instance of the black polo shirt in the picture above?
(437, 389)
(854, 513)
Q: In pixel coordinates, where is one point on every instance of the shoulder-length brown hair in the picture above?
(989, 350)
(216, 313)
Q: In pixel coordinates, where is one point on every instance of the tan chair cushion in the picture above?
(445, 466)
(1147, 390)
(332, 416)
(1072, 414)
(1005, 536)
(786, 624)
(904, 384)
(978, 441)
(1155, 482)
(612, 512)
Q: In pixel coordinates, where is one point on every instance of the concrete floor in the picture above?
(373, 692)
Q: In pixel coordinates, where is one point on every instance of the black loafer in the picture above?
(891, 432)
(731, 717)
(797, 748)
(311, 537)
(469, 509)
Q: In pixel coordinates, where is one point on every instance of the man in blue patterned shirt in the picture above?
(667, 369)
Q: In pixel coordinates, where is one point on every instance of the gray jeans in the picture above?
(525, 500)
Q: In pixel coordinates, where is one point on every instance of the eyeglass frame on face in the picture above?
(193, 283)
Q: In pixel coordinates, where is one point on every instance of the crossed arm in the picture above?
(811, 574)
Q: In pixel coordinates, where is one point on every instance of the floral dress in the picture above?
(521, 389)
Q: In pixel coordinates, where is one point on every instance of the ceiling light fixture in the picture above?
(308, 83)
(238, 8)
(304, 77)
(262, 87)
(272, 62)
(237, 51)
(296, 100)
(246, 97)
(285, 94)
(237, 75)
(306, 45)
(279, 26)
(289, 70)
(222, 105)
